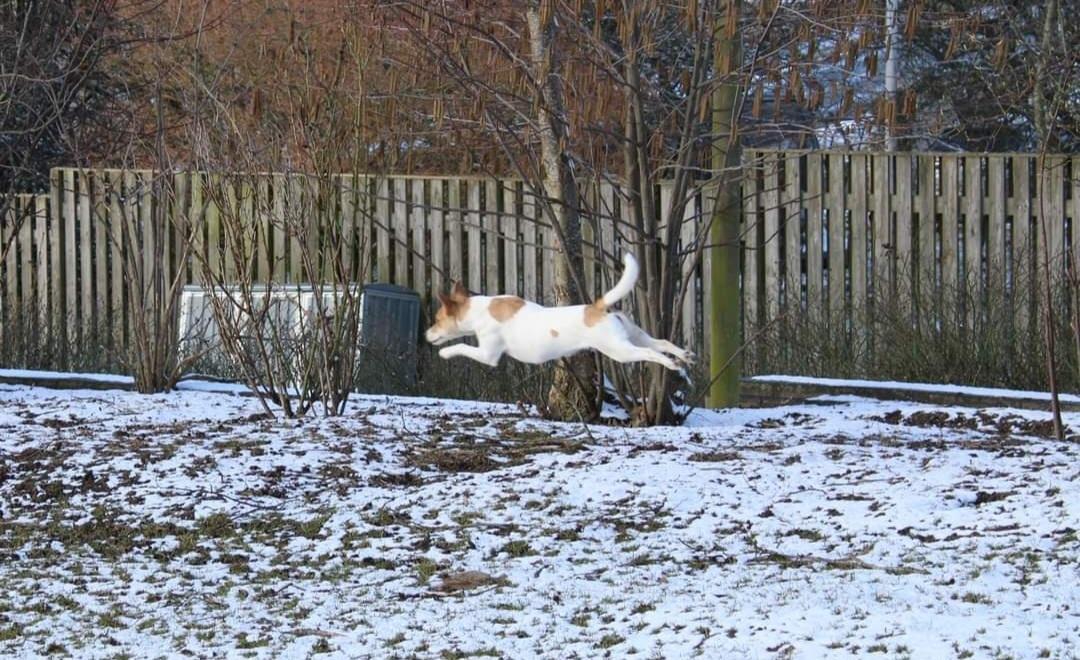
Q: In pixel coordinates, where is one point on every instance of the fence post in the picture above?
(418, 215)
(859, 257)
(530, 239)
(491, 237)
(56, 255)
(971, 280)
(41, 242)
(770, 247)
(436, 215)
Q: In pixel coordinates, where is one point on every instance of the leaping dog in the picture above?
(533, 333)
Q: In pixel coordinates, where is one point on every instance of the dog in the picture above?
(532, 333)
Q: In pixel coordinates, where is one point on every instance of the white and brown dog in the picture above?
(533, 333)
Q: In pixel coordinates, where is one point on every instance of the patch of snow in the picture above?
(918, 387)
(189, 524)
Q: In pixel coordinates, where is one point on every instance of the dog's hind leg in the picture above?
(625, 351)
(639, 337)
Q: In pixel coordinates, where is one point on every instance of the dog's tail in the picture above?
(625, 284)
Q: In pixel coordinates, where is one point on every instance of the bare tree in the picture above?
(1045, 107)
(284, 285)
(55, 91)
(618, 93)
(524, 115)
(572, 394)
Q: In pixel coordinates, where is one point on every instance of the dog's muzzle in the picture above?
(439, 340)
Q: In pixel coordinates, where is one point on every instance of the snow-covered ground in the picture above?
(191, 525)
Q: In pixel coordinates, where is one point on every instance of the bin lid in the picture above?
(390, 290)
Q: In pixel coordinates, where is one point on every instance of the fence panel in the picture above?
(420, 250)
(510, 240)
(791, 208)
(490, 238)
(814, 260)
(926, 204)
(883, 255)
(858, 249)
(835, 208)
(550, 244)
(773, 240)
(27, 210)
(950, 233)
(1022, 225)
(8, 224)
(971, 276)
(997, 222)
(1075, 216)
(117, 229)
(1053, 177)
(846, 230)
(436, 219)
(454, 229)
(752, 280)
(589, 203)
(687, 276)
(57, 310)
(530, 244)
(41, 257)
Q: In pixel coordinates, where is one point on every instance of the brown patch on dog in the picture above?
(503, 308)
(595, 313)
(452, 308)
(455, 305)
(459, 293)
(554, 332)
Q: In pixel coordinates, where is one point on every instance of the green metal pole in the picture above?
(725, 366)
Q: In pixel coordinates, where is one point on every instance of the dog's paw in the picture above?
(446, 353)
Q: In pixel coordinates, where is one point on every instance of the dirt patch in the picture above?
(715, 456)
(396, 480)
(466, 580)
(982, 421)
(480, 450)
(983, 497)
(453, 460)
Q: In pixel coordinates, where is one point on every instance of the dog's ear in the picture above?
(459, 293)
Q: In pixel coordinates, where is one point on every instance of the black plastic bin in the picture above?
(389, 330)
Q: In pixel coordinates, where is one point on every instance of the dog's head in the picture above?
(448, 320)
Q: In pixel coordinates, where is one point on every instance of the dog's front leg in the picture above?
(488, 354)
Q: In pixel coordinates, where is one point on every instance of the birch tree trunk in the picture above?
(573, 392)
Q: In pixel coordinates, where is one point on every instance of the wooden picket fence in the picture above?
(829, 233)
(25, 281)
(824, 233)
(419, 232)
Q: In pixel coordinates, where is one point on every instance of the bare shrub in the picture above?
(950, 336)
(283, 286)
(292, 332)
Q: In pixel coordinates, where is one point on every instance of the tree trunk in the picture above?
(724, 345)
(1040, 105)
(892, 45)
(1044, 126)
(573, 391)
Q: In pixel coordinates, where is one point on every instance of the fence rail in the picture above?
(824, 233)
